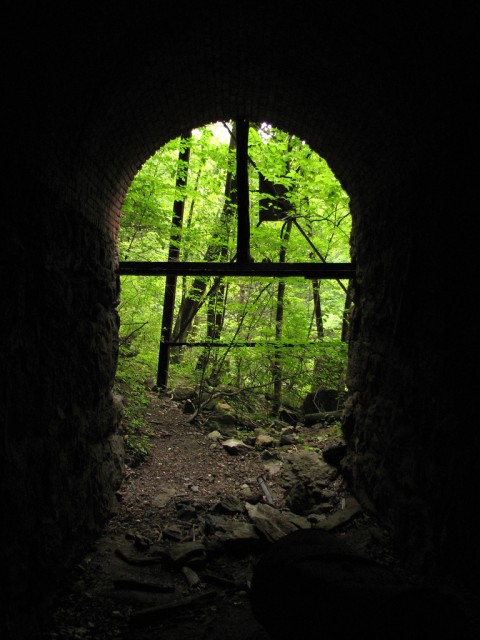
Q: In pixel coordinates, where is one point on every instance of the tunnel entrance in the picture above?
(208, 438)
(216, 486)
(220, 467)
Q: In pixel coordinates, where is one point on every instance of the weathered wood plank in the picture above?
(334, 271)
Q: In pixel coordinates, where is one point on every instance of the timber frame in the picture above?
(243, 264)
(308, 270)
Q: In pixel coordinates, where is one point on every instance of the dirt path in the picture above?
(175, 560)
(163, 502)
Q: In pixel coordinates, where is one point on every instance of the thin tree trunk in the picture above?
(317, 311)
(195, 297)
(185, 253)
(173, 255)
(277, 359)
(242, 300)
(346, 313)
(215, 317)
(317, 308)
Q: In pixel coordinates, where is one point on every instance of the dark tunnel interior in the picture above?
(385, 96)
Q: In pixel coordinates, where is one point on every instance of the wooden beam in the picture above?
(220, 345)
(243, 205)
(309, 270)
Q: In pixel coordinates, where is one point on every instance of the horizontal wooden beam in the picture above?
(220, 345)
(309, 270)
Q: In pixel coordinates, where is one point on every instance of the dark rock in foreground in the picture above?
(309, 584)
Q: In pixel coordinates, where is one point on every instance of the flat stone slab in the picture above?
(186, 553)
(234, 446)
(341, 516)
(271, 522)
(164, 496)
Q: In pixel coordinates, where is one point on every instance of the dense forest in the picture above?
(280, 337)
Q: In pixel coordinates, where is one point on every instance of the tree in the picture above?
(298, 330)
(217, 249)
(173, 255)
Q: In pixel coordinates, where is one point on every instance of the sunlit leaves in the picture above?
(319, 207)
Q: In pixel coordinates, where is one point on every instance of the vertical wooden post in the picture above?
(277, 357)
(243, 205)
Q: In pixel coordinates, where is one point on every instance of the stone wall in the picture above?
(62, 458)
(408, 417)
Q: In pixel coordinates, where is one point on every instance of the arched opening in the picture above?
(297, 218)
(221, 491)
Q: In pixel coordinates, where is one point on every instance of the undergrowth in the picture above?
(137, 433)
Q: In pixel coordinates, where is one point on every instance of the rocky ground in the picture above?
(175, 560)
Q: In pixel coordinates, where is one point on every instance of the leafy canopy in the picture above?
(320, 225)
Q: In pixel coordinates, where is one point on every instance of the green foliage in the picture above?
(321, 231)
(131, 383)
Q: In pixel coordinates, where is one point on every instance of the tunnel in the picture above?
(384, 94)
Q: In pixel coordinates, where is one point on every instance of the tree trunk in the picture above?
(317, 310)
(215, 317)
(195, 297)
(346, 312)
(173, 254)
(277, 359)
